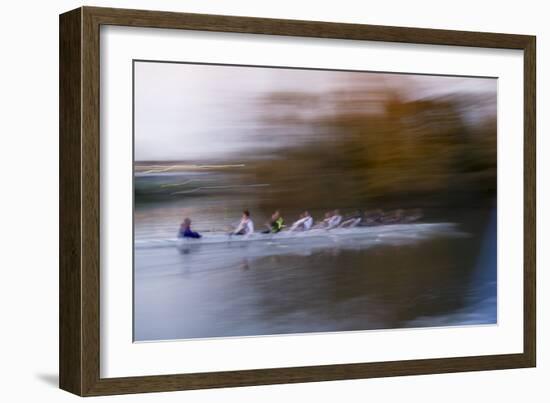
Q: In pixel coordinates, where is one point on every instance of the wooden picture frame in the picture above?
(79, 346)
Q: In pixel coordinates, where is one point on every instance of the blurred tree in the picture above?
(365, 148)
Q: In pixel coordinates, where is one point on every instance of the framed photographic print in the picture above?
(249, 201)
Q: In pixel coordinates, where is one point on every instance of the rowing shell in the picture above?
(315, 237)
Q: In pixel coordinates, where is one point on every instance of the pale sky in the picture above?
(196, 112)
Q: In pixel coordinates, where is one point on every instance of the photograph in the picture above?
(274, 200)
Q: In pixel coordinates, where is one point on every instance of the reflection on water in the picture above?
(413, 275)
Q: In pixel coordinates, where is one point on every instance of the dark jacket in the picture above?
(187, 233)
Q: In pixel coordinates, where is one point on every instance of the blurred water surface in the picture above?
(407, 278)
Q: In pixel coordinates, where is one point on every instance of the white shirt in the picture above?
(306, 222)
(334, 221)
(247, 225)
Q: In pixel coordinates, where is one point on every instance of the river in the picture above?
(406, 279)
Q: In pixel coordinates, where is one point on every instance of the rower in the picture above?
(275, 225)
(373, 217)
(304, 223)
(413, 216)
(246, 225)
(394, 218)
(324, 223)
(352, 220)
(334, 220)
(185, 230)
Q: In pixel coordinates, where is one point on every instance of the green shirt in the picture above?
(277, 225)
